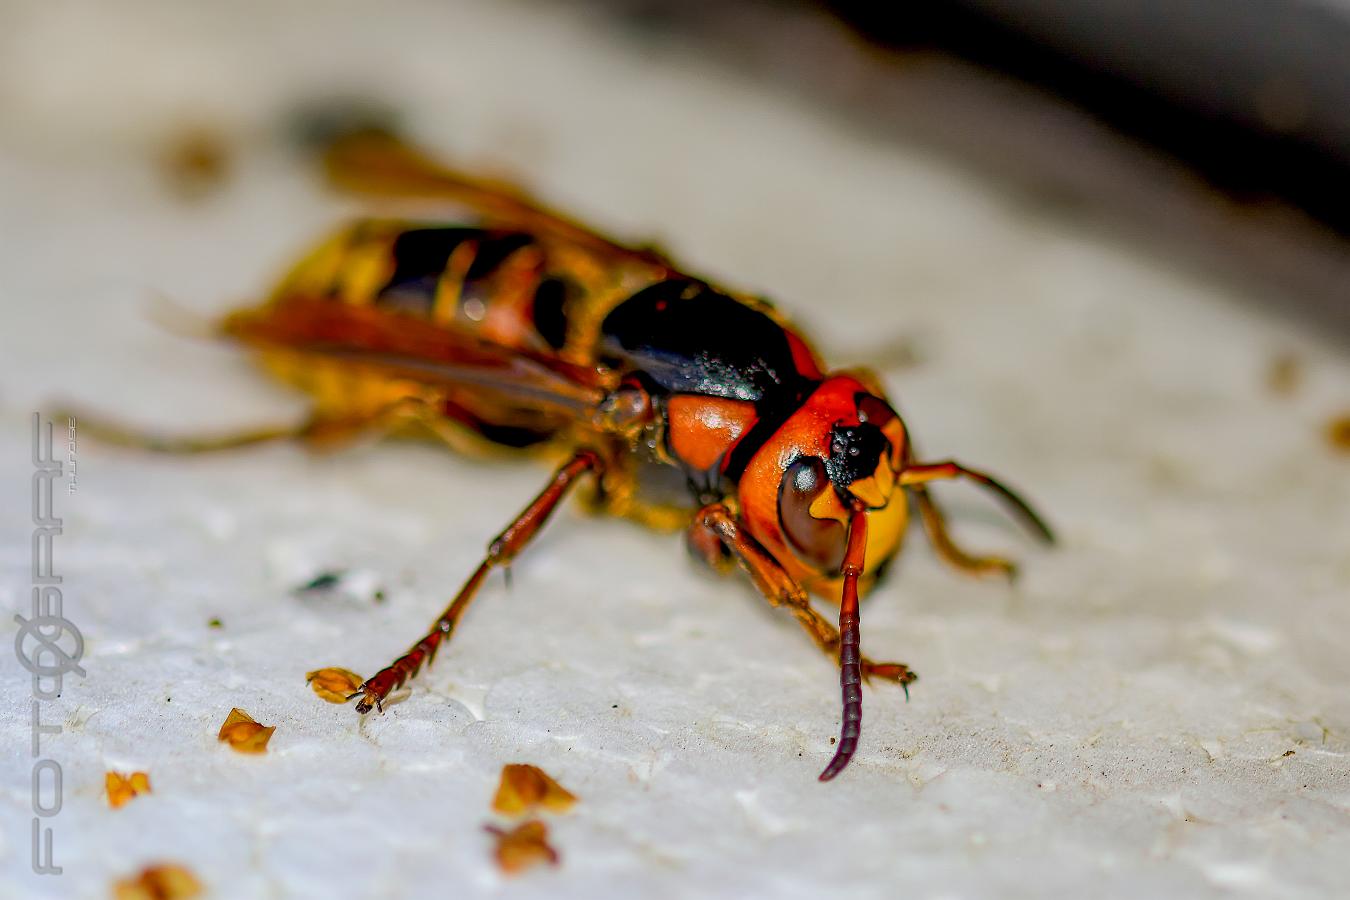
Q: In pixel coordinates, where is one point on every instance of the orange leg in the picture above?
(923, 473)
(121, 436)
(935, 524)
(500, 552)
(322, 431)
(778, 587)
(325, 430)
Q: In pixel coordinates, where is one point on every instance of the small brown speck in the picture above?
(195, 162)
(1338, 433)
(1284, 374)
(165, 881)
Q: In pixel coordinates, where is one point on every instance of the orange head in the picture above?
(844, 447)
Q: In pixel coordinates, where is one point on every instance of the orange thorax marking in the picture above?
(703, 429)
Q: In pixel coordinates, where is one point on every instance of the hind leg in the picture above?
(323, 430)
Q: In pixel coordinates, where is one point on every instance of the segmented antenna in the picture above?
(850, 654)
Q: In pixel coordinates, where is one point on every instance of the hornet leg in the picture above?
(500, 552)
(779, 588)
(321, 431)
(923, 473)
(121, 436)
(935, 524)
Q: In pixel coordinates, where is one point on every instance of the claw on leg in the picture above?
(368, 698)
(896, 672)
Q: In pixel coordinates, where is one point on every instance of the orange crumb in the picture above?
(524, 787)
(522, 847)
(333, 684)
(122, 788)
(159, 882)
(1338, 433)
(245, 735)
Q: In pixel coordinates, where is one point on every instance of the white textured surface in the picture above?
(1116, 726)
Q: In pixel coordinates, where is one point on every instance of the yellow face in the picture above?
(845, 443)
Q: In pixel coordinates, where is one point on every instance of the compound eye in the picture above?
(875, 411)
(821, 541)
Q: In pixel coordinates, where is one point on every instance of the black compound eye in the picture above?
(855, 452)
(875, 411)
(821, 541)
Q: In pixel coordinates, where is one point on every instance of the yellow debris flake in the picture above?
(122, 788)
(522, 847)
(333, 684)
(243, 734)
(159, 882)
(524, 788)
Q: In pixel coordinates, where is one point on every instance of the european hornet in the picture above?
(688, 406)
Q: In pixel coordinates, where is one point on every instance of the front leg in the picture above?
(715, 527)
(500, 552)
(915, 474)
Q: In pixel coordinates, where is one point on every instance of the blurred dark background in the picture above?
(1214, 131)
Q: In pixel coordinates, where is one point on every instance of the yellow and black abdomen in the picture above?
(497, 285)
(493, 283)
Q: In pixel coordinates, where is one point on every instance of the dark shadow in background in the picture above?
(1252, 94)
(1215, 132)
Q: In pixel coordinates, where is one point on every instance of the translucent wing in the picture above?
(378, 164)
(414, 349)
